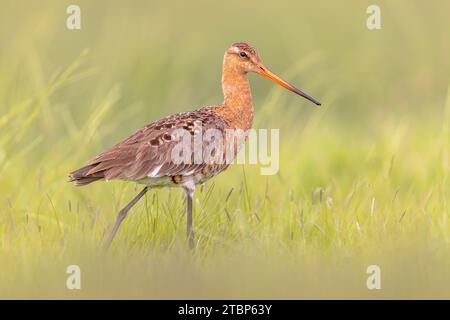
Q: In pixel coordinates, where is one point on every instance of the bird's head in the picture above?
(243, 58)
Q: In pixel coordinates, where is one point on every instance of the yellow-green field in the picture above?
(363, 180)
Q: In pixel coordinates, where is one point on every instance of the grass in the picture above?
(363, 180)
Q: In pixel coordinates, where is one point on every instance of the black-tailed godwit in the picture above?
(147, 156)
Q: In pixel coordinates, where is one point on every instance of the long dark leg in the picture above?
(189, 230)
(122, 214)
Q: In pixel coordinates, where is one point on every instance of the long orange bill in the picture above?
(270, 75)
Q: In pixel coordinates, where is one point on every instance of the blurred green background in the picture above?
(363, 180)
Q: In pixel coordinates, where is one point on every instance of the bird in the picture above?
(150, 157)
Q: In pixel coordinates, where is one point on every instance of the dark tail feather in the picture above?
(81, 177)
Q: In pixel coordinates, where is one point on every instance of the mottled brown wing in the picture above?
(148, 151)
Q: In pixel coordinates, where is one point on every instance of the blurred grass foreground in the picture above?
(364, 180)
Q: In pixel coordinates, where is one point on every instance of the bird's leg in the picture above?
(122, 214)
(189, 232)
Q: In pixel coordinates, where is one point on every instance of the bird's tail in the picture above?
(82, 177)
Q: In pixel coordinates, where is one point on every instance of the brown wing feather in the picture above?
(148, 148)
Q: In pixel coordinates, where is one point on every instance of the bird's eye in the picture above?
(242, 54)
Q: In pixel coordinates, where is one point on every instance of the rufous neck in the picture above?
(236, 88)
